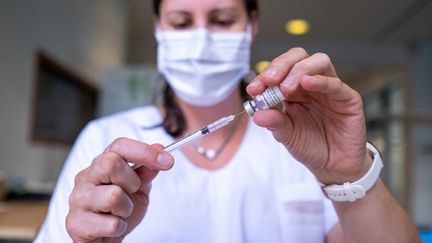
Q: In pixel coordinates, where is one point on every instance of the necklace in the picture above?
(212, 154)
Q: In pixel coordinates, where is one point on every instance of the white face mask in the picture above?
(203, 68)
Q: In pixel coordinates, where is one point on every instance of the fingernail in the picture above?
(122, 227)
(271, 72)
(165, 159)
(254, 84)
(290, 80)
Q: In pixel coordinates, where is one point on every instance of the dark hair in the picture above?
(174, 122)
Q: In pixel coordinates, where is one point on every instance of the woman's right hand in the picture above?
(110, 198)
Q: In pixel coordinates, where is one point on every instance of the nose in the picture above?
(201, 22)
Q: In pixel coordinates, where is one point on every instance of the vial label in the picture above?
(261, 103)
(272, 96)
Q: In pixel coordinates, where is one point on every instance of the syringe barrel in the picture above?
(191, 137)
(220, 123)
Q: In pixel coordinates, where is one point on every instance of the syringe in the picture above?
(202, 132)
(196, 135)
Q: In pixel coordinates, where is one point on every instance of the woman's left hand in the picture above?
(322, 123)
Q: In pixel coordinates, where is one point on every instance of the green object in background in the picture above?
(138, 86)
(133, 88)
(128, 87)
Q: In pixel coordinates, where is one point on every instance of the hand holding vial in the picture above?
(321, 113)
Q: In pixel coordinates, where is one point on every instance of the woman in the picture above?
(242, 183)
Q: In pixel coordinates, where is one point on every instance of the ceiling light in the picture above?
(297, 26)
(261, 65)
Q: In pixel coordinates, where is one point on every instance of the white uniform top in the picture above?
(262, 195)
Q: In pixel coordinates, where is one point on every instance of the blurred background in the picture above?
(63, 63)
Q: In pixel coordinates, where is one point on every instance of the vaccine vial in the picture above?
(269, 98)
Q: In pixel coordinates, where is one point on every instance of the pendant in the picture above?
(200, 150)
(210, 154)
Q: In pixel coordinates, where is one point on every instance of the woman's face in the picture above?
(214, 15)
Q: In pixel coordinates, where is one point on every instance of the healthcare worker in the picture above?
(262, 179)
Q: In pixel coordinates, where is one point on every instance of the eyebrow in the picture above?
(178, 12)
(230, 10)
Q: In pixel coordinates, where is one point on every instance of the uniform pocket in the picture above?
(301, 212)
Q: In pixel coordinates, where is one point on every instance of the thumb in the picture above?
(279, 123)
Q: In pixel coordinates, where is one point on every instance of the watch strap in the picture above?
(351, 191)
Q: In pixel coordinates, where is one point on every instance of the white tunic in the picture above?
(262, 195)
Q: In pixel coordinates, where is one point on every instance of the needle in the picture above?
(238, 114)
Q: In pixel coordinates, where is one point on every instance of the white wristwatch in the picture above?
(351, 191)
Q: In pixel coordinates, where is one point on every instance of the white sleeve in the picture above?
(86, 147)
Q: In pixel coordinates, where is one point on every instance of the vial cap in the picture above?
(249, 108)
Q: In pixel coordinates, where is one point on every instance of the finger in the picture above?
(147, 159)
(110, 168)
(141, 154)
(102, 199)
(86, 226)
(146, 176)
(277, 122)
(332, 87)
(276, 72)
(317, 64)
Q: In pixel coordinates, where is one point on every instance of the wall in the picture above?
(421, 138)
(87, 36)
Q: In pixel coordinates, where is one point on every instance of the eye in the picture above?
(224, 22)
(180, 21)
(223, 18)
(181, 26)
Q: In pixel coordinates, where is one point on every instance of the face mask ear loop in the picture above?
(249, 29)
(157, 31)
